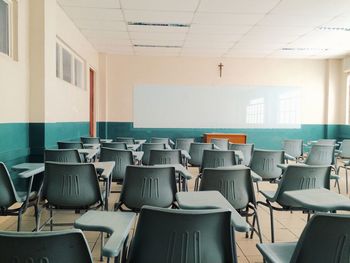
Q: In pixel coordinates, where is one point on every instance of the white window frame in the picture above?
(74, 56)
(256, 112)
(10, 28)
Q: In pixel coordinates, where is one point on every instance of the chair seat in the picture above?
(277, 252)
(256, 177)
(22, 196)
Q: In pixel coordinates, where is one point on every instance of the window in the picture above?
(255, 111)
(289, 112)
(4, 27)
(69, 66)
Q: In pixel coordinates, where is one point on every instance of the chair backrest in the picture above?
(7, 189)
(148, 185)
(298, 177)
(90, 140)
(70, 145)
(345, 149)
(115, 145)
(222, 144)
(68, 246)
(326, 142)
(160, 140)
(324, 239)
(122, 159)
(235, 184)
(264, 163)
(293, 147)
(184, 143)
(147, 147)
(196, 152)
(321, 154)
(182, 236)
(218, 158)
(127, 140)
(246, 149)
(165, 157)
(71, 185)
(62, 156)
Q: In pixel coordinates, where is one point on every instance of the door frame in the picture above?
(92, 108)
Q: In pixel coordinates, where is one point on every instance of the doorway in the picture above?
(92, 100)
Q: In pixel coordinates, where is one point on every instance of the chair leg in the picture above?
(272, 225)
(196, 183)
(37, 217)
(51, 219)
(246, 219)
(257, 187)
(19, 220)
(338, 185)
(346, 181)
(253, 226)
(258, 226)
(101, 248)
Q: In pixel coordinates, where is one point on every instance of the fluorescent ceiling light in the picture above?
(326, 28)
(304, 49)
(155, 46)
(157, 24)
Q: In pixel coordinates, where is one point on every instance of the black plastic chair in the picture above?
(70, 145)
(69, 246)
(246, 149)
(214, 159)
(71, 186)
(10, 196)
(147, 147)
(324, 239)
(115, 145)
(235, 184)
(90, 140)
(196, 152)
(127, 140)
(147, 185)
(63, 156)
(295, 177)
(189, 236)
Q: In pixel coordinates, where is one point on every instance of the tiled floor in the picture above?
(288, 226)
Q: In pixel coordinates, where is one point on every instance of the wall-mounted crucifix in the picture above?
(221, 66)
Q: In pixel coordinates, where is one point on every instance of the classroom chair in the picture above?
(69, 246)
(344, 157)
(293, 150)
(70, 145)
(235, 184)
(62, 156)
(167, 141)
(115, 145)
(189, 236)
(90, 140)
(147, 147)
(246, 149)
(79, 188)
(295, 177)
(9, 196)
(222, 144)
(196, 152)
(147, 185)
(324, 239)
(184, 144)
(127, 140)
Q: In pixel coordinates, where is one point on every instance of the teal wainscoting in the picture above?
(23, 142)
(262, 138)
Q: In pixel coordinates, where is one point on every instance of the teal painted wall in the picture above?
(262, 138)
(23, 142)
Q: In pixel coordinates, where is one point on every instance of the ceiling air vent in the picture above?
(154, 46)
(326, 28)
(304, 49)
(157, 24)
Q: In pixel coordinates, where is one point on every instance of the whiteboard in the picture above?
(156, 106)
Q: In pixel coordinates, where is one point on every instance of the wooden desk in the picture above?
(232, 137)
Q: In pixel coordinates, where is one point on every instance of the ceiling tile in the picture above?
(161, 5)
(93, 24)
(312, 7)
(226, 19)
(105, 34)
(208, 44)
(281, 30)
(211, 29)
(91, 3)
(96, 13)
(158, 42)
(109, 41)
(157, 36)
(237, 6)
(212, 37)
(158, 17)
(293, 20)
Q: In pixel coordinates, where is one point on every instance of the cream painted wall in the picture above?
(14, 75)
(63, 101)
(317, 78)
